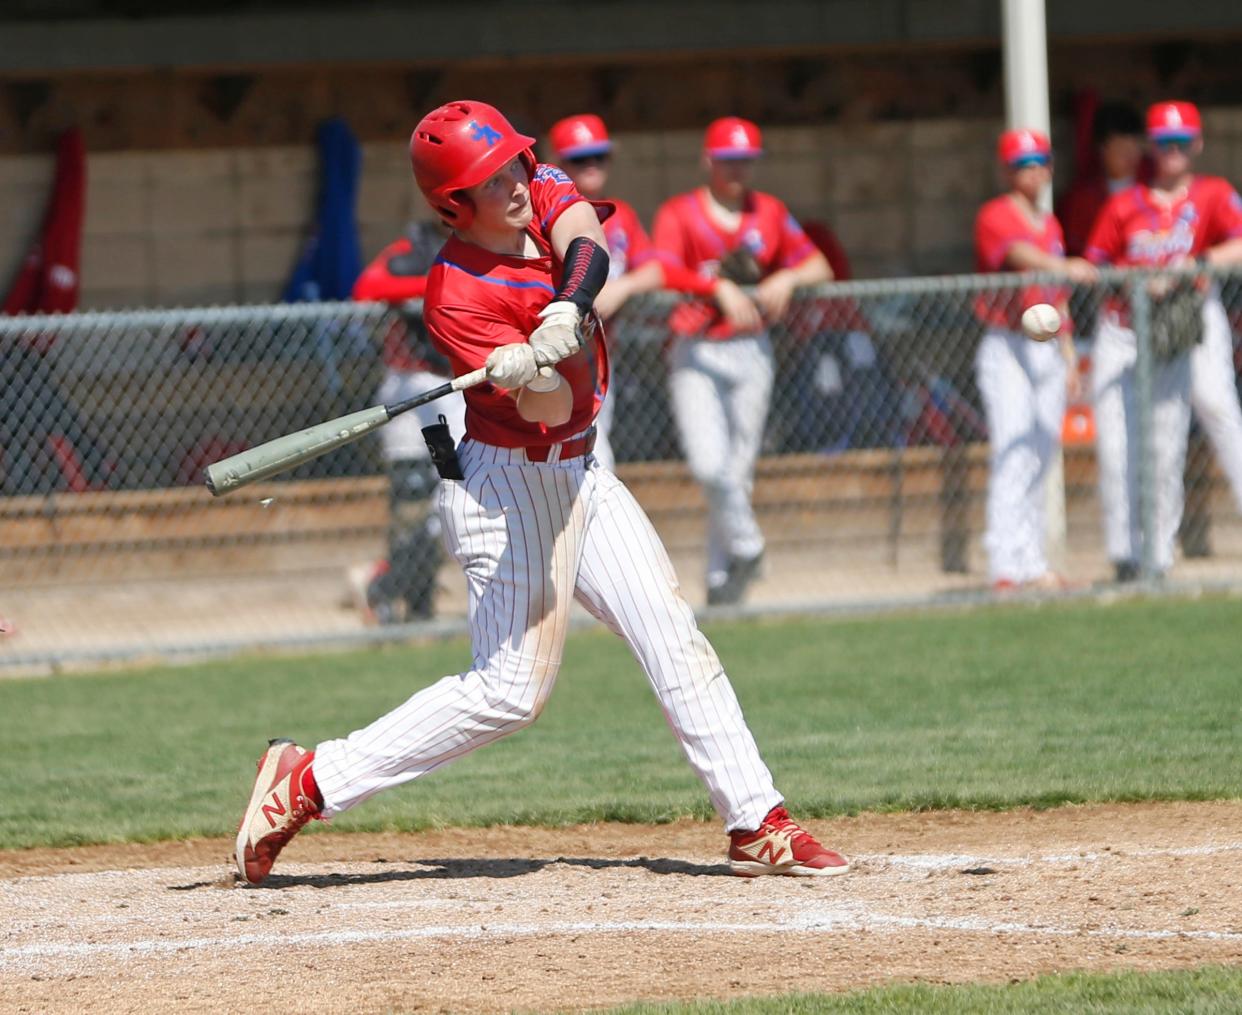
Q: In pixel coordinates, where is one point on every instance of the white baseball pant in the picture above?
(1023, 388)
(603, 431)
(1214, 393)
(1113, 365)
(720, 393)
(531, 538)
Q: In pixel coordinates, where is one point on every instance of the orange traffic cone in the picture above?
(1078, 427)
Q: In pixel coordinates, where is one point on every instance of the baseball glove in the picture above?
(1177, 321)
(739, 265)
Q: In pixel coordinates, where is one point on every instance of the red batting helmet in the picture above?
(576, 136)
(460, 145)
(1023, 147)
(1174, 121)
(731, 137)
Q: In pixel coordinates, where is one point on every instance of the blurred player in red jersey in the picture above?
(720, 362)
(1177, 220)
(533, 519)
(1023, 383)
(1116, 162)
(584, 150)
(1213, 378)
(402, 586)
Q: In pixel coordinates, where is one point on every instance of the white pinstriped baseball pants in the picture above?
(1023, 388)
(603, 429)
(531, 538)
(1114, 359)
(720, 393)
(1214, 393)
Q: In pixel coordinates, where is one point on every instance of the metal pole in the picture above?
(1026, 70)
(1026, 105)
(1140, 313)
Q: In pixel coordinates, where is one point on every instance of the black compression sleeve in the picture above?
(586, 271)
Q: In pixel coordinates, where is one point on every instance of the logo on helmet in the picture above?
(484, 132)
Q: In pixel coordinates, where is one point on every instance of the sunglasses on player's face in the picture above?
(1174, 144)
(1028, 161)
(582, 161)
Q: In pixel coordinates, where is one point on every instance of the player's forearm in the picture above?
(812, 271)
(1229, 252)
(681, 279)
(547, 400)
(644, 279)
(1028, 257)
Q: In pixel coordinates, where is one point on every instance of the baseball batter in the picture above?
(720, 360)
(532, 518)
(1023, 383)
(584, 150)
(1179, 219)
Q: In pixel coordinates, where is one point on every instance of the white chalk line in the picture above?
(808, 922)
(951, 861)
(805, 920)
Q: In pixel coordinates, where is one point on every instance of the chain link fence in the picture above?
(870, 481)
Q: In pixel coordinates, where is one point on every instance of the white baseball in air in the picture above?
(1041, 322)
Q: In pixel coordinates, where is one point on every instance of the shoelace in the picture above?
(782, 822)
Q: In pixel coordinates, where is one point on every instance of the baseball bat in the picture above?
(293, 449)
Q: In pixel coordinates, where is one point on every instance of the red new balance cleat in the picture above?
(284, 798)
(780, 846)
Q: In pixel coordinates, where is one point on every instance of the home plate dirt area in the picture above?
(505, 919)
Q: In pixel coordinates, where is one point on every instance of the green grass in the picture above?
(985, 709)
(1210, 989)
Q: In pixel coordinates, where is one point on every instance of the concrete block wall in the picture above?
(167, 228)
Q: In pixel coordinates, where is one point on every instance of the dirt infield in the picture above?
(539, 919)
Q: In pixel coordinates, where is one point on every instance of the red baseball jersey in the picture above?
(477, 300)
(399, 273)
(1133, 229)
(686, 235)
(999, 225)
(629, 246)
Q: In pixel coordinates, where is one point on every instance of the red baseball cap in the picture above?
(1023, 147)
(1174, 121)
(576, 136)
(731, 137)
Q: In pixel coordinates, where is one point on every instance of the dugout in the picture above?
(880, 115)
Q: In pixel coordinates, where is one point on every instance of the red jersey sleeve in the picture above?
(795, 246)
(465, 335)
(668, 246)
(668, 236)
(1226, 221)
(552, 193)
(378, 282)
(1106, 244)
(993, 237)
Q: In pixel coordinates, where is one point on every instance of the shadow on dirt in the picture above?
(464, 868)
